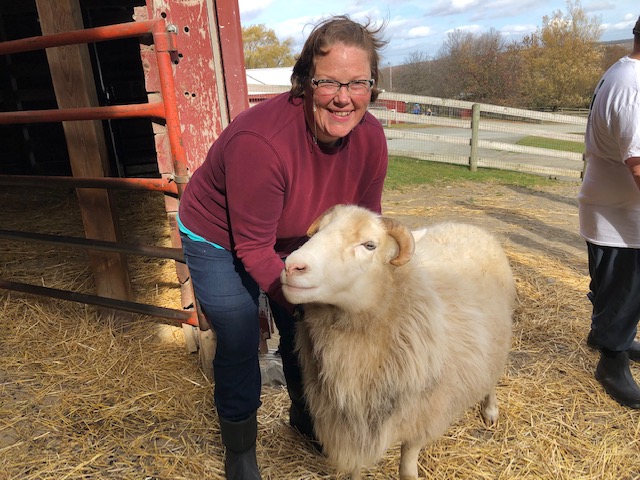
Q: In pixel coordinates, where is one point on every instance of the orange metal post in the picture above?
(164, 42)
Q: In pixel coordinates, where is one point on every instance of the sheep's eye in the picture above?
(369, 246)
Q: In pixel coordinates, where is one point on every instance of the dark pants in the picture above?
(228, 297)
(615, 295)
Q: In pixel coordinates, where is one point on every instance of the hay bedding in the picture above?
(83, 398)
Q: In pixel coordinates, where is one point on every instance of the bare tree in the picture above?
(556, 66)
(415, 75)
(476, 67)
(612, 53)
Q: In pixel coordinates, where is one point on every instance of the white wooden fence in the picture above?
(448, 134)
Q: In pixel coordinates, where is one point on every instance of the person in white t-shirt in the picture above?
(609, 210)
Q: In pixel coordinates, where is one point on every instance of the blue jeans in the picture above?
(228, 297)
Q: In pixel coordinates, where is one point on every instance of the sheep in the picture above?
(402, 331)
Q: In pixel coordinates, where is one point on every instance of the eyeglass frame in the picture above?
(316, 84)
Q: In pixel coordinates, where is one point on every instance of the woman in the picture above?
(271, 172)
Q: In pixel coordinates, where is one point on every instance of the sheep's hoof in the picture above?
(490, 419)
(489, 410)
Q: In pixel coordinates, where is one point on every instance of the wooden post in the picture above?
(74, 86)
(475, 122)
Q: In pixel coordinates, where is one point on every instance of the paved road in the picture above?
(501, 156)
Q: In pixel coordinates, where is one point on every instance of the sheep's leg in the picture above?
(489, 409)
(409, 461)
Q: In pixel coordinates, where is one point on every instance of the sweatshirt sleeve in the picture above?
(255, 186)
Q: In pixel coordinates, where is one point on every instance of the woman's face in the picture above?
(336, 114)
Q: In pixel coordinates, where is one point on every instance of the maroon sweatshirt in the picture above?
(264, 181)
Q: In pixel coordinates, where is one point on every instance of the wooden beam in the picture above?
(74, 87)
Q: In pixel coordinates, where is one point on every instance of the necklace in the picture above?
(315, 125)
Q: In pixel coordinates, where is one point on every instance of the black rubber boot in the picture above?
(614, 374)
(239, 439)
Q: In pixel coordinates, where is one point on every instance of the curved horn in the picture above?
(402, 235)
(315, 226)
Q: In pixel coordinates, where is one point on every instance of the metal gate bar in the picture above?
(184, 316)
(90, 244)
(165, 48)
(148, 184)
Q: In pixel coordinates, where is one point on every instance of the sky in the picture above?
(421, 26)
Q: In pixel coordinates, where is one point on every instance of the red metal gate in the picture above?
(172, 183)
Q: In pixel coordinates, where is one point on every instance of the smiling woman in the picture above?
(274, 169)
(335, 110)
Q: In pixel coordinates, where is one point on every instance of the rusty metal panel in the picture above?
(195, 75)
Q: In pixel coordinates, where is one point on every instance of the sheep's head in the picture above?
(343, 261)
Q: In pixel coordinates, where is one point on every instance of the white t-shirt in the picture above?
(609, 199)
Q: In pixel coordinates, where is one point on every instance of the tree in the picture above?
(262, 49)
(476, 67)
(556, 66)
(562, 60)
(414, 76)
(612, 53)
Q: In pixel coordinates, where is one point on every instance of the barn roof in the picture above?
(269, 76)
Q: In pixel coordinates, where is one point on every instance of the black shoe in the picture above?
(239, 439)
(615, 376)
(634, 349)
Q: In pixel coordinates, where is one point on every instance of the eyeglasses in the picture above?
(331, 87)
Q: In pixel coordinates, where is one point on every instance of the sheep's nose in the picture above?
(296, 268)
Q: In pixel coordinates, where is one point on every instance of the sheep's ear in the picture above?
(315, 226)
(405, 240)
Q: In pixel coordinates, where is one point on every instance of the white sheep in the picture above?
(396, 345)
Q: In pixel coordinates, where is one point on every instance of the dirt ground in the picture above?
(81, 399)
(543, 219)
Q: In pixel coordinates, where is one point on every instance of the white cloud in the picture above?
(467, 28)
(250, 9)
(599, 6)
(418, 32)
(627, 24)
(451, 7)
(518, 30)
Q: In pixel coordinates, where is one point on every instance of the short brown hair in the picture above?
(337, 29)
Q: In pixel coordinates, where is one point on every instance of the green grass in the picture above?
(408, 172)
(542, 142)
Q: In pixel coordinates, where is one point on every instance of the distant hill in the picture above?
(626, 43)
